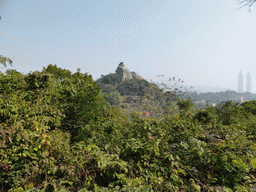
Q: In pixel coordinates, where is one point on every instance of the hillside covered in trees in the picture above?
(66, 132)
(139, 94)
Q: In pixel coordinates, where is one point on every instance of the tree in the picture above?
(58, 72)
(110, 78)
(5, 60)
(229, 112)
(247, 3)
(134, 87)
(114, 98)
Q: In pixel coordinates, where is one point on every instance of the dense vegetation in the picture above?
(58, 133)
(138, 94)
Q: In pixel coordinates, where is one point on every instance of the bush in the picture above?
(64, 136)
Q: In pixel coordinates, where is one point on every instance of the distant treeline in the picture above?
(219, 97)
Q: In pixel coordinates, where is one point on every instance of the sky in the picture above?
(202, 42)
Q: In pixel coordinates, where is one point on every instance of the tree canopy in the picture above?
(58, 73)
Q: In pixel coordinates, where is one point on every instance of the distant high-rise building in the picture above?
(240, 82)
(248, 83)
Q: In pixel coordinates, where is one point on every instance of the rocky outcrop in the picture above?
(123, 73)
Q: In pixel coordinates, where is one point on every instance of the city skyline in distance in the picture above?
(241, 83)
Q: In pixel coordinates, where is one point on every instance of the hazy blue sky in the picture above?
(203, 42)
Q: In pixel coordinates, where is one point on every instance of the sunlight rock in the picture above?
(123, 73)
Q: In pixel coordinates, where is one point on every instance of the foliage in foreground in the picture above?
(62, 135)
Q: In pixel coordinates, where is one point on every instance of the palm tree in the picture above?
(5, 60)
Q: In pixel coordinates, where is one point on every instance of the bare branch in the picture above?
(246, 3)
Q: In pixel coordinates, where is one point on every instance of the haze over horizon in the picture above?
(203, 43)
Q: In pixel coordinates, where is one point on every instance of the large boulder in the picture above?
(123, 72)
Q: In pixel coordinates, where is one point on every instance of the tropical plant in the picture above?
(5, 60)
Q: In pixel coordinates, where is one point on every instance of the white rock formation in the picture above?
(123, 73)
